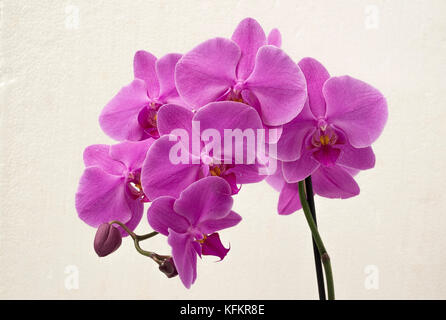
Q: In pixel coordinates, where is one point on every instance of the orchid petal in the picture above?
(275, 38)
(294, 134)
(327, 155)
(207, 199)
(357, 158)
(144, 69)
(131, 153)
(171, 117)
(119, 118)
(276, 179)
(212, 246)
(232, 117)
(249, 36)
(207, 71)
(334, 182)
(165, 70)
(356, 108)
(295, 171)
(101, 198)
(98, 155)
(316, 75)
(211, 226)
(161, 177)
(247, 173)
(289, 201)
(162, 216)
(232, 181)
(184, 256)
(137, 209)
(279, 85)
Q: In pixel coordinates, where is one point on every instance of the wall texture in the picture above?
(61, 61)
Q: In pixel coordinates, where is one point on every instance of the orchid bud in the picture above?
(107, 240)
(168, 268)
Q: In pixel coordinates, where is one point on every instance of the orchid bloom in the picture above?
(332, 135)
(161, 177)
(132, 113)
(249, 68)
(110, 187)
(191, 222)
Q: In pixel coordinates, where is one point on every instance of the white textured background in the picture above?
(61, 61)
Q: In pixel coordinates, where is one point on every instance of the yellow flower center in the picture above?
(325, 139)
(201, 241)
(215, 171)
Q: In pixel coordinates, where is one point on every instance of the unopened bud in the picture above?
(168, 268)
(107, 240)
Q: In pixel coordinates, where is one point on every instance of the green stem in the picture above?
(137, 238)
(132, 234)
(146, 236)
(320, 244)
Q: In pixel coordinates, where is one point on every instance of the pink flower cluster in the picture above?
(325, 126)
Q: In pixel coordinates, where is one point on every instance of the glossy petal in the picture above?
(211, 226)
(294, 133)
(275, 38)
(249, 36)
(137, 209)
(161, 216)
(131, 153)
(207, 199)
(289, 199)
(279, 85)
(207, 71)
(98, 155)
(165, 70)
(101, 198)
(184, 256)
(357, 108)
(231, 116)
(276, 180)
(247, 173)
(144, 69)
(212, 246)
(231, 179)
(295, 171)
(316, 75)
(327, 156)
(160, 177)
(171, 117)
(119, 118)
(334, 182)
(355, 158)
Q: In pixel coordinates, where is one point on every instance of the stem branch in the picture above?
(317, 238)
(317, 256)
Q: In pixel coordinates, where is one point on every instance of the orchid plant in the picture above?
(192, 129)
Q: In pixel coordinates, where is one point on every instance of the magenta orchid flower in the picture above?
(341, 119)
(191, 223)
(110, 187)
(246, 69)
(161, 177)
(132, 113)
